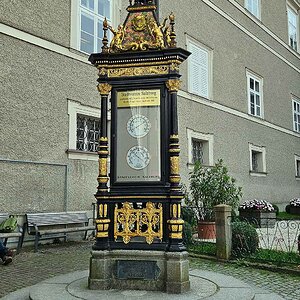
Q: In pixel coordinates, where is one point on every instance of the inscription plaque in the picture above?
(137, 269)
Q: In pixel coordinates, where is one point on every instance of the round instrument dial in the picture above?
(138, 126)
(138, 157)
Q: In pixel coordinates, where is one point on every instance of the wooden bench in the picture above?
(16, 234)
(56, 225)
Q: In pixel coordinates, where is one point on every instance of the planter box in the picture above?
(206, 230)
(295, 210)
(259, 218)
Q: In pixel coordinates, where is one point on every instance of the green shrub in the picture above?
(187, 234)
(188, 215)
(288, 209)
(210, 187)
(244, 239)
(276, 208)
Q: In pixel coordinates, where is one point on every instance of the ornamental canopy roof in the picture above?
(141, 30)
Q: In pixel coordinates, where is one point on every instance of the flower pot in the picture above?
(295, 210)
(206, 230)
(259, 218)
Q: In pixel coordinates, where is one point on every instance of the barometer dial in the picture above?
(138, 157)
(138, 126)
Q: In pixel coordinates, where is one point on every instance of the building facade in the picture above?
(239, 100)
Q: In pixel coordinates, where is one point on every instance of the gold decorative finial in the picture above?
(105, 39)
(173, 43)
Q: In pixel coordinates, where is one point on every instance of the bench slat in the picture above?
(57, 218)
(10, 234)
(62, 230)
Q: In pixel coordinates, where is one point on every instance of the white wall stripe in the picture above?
(234, 112)
(29, 38)
(230, 19)
(266, 29)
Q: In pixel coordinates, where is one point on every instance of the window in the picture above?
(198, 154)
(296, 114)
(199, 69)
(254, 87)
(297, 166)
(200, 148)
(84, 131)
(257, 160)
(253, 6)
(88, 133)
(87, 18)
(293, 25)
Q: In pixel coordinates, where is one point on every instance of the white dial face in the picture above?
(138, 126)
(138, 157)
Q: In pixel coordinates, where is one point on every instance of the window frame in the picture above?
(294, 8)
(297, 101)
(209, 51)
(246, 5)
(205, 137)
(297, 160)
(262, 150)
(77, 108)
(255, 77)
(76, 19)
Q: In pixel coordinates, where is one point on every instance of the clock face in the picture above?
(138, 126)
(138, 157)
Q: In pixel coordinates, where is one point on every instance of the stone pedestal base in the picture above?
(140, 270)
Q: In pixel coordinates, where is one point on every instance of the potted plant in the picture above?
(210, 186)
(259, 212)
(295, 206)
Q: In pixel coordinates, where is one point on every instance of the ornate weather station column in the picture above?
(139, 226)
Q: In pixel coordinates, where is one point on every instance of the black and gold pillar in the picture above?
(102, 221)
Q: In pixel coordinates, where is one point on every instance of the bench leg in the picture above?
(20, 242)
(36, 242)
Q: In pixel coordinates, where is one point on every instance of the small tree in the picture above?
(210, 187)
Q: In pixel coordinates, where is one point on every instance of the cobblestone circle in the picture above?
(29, 268)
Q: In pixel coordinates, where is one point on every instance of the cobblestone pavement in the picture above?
(285, 285)
(29, 268)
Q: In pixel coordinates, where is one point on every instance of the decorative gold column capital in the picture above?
(173, 85)
(104, 88)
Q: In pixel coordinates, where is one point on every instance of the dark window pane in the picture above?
(251, 83)
(197, 151)
(256, 86)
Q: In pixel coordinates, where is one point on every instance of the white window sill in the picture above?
(257, 117)
(82, 155)
(297, 177)
(258, 174)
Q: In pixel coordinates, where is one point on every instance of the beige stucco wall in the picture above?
(46, 19)
(232, 136)
(37, 83)
(36, 86)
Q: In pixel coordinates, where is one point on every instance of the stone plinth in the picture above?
(140, 270)
(260, 218)
(223, 231)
